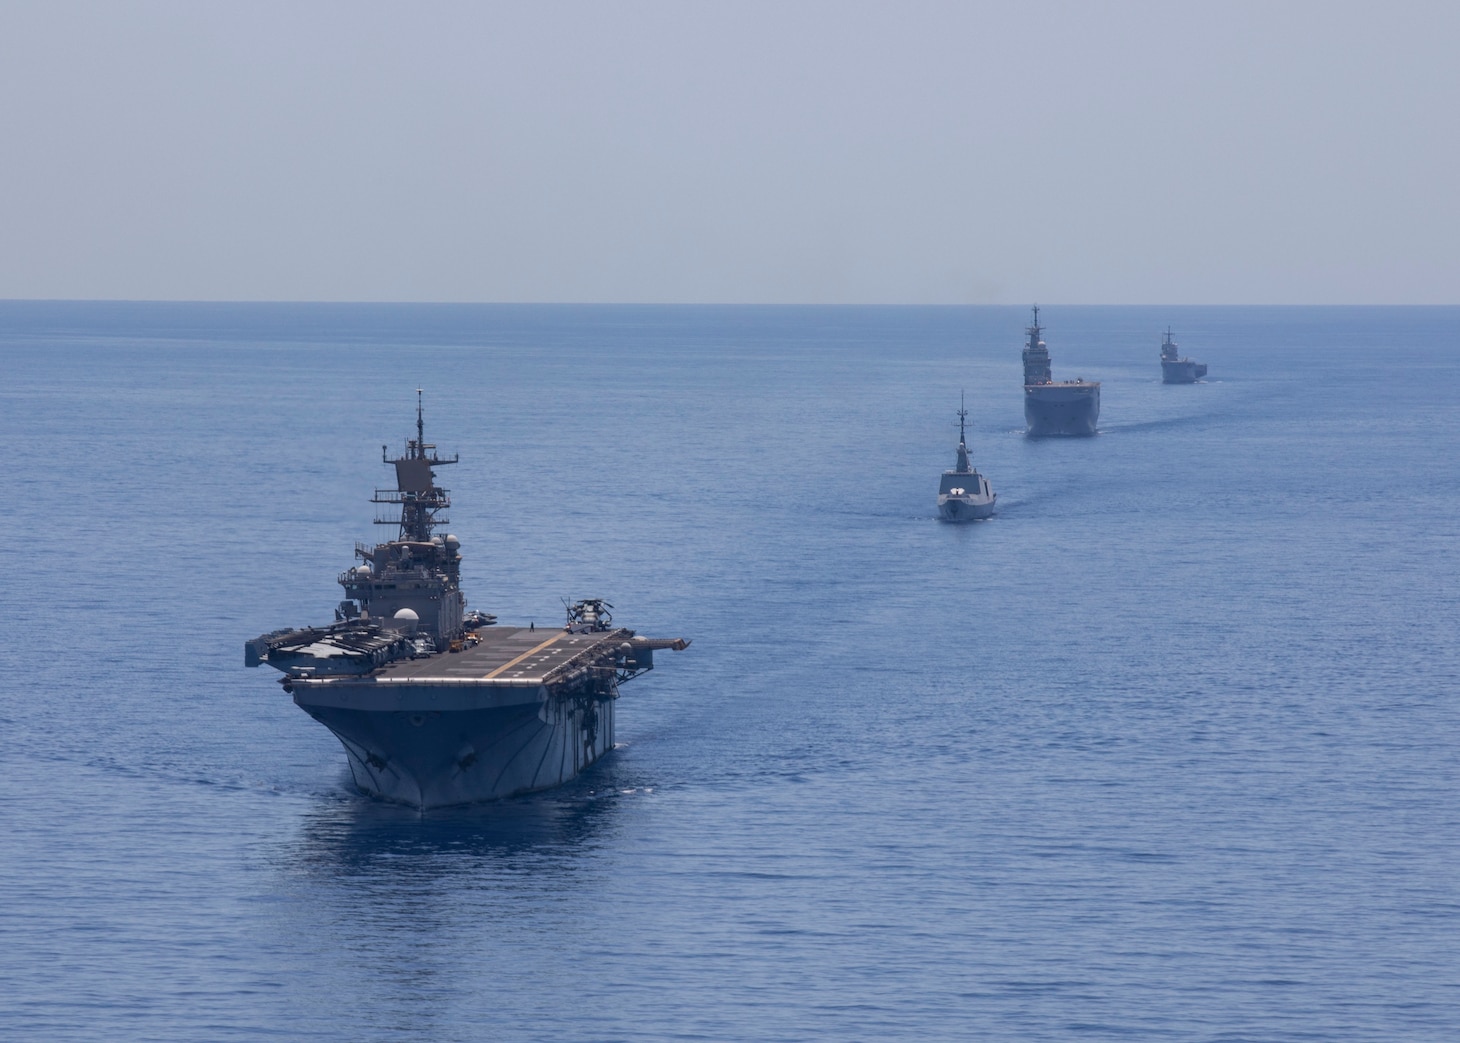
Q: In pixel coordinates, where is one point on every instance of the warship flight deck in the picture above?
(493, 669)
(511, 655)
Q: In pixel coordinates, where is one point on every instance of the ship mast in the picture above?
(1036, 355)
(416, 493)
(963, 467)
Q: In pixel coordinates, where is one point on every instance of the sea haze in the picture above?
(1167, 750)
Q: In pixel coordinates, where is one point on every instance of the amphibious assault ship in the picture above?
(1055, 407)
(436, 705)
(1174, 368)
(964, 494)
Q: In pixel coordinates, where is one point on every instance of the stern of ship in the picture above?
(1055, 410)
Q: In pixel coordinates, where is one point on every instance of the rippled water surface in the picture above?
(1166, 750)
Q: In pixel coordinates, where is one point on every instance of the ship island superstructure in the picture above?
(1055, 407)
(1174, 368)
(963, 493)
(435, 705)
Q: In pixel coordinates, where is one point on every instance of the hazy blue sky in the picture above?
(902, 152)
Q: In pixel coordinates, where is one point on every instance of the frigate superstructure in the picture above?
(436, 705)
(1055, 407)
(1174, 368)
(964, 494)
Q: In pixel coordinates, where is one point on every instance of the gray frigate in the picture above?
(1174, 368)
(435, 705)
(1055, 407)
(964, 494)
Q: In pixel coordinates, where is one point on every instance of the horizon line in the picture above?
(702, 304)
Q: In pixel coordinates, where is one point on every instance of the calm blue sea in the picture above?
(1167, 750)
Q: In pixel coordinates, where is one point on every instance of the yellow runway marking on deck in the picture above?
(524, 655)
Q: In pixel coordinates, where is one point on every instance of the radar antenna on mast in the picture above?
(963, 466)
(416, 492)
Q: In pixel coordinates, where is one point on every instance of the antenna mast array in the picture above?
(419, 497)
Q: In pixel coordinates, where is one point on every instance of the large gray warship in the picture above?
(964, 494)
(1055, 407)
(1174, 368)
(438, 706)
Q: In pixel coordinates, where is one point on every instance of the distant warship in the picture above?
(1177, 370)
(1051, 407)
(436, 705)
(964, 494)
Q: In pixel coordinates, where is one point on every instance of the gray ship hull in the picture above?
(514, 711)
(1067, 409)
(1182, 371)
(964, 508)
(433, 748)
